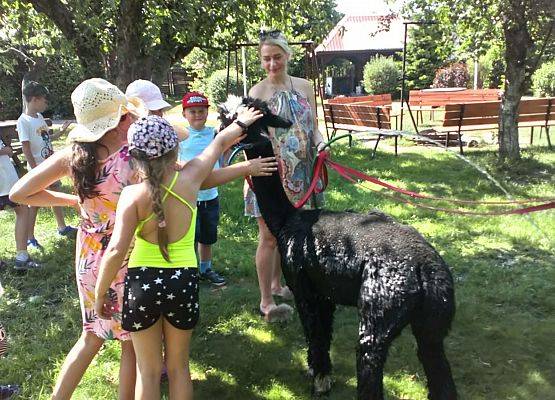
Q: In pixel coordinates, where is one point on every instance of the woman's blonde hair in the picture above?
(275, 38)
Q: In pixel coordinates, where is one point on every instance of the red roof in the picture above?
(355, 33)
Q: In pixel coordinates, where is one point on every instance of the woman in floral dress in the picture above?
(98, 163)
(293, 99)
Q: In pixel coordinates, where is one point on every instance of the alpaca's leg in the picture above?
(430, 327)
(430, 331)
(438, 373)
(316, 316)
(375, 337)
(383, 312)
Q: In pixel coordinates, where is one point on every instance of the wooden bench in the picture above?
(360, 118)
(383, 100)
(372, 100)
(428, 99)
(485, 116)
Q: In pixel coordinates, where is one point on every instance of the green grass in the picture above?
(501, 345)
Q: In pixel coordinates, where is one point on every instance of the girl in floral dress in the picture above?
(98, 164)
(99, 214)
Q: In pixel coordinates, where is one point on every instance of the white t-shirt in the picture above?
(35, 131)
(8, 175)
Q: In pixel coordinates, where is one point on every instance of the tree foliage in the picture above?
(523, 28)
(128, 39)
(429, 46)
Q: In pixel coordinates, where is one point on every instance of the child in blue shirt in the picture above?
(195, 110)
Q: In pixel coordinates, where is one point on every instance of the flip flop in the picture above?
(285, 293)
(277, 313)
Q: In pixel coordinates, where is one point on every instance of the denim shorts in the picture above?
(208, 216)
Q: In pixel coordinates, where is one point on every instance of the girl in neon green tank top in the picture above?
(161, 289)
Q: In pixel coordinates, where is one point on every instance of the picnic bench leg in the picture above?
(376, 146)
(532, 135)
(460, 142)
(396, 137)
(547, 136)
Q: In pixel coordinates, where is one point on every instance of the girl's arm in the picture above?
(32, 188)
(182, 132)
(114, 256)
(201, 166)
(255, 167)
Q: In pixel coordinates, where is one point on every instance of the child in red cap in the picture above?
(195, 111)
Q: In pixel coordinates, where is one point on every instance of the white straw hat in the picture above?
(98, 106)
(149, 93)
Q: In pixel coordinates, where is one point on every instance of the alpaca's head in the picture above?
(257, 132)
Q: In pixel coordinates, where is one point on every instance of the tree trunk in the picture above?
(509, 148)
(517, 47)
(129, 52)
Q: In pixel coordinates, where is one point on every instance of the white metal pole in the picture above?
(244, 59)
(476, 74)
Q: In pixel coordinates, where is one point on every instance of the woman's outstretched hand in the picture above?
(262, 166)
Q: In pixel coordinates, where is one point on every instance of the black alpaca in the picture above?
(385, 269)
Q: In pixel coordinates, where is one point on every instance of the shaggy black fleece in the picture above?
(385, 269)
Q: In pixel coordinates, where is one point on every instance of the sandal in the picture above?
(285, 293)
(277, 313)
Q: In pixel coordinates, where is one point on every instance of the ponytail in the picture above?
(153, 173)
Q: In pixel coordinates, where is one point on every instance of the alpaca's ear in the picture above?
(276, 121)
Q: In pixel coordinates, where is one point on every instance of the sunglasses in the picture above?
(274, 34)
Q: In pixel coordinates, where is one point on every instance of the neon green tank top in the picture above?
(182, 252)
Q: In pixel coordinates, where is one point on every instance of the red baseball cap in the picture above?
(194, 99)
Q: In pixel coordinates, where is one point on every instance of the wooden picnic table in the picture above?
(8, 135)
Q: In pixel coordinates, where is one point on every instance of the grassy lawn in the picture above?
(501, 346)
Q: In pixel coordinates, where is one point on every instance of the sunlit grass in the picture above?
(501, 345)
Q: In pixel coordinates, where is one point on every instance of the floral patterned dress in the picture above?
(293, 148)
(99, 216)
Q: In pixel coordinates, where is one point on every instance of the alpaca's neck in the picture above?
(273, 202)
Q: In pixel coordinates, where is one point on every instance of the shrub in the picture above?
(543, 80)
(454, 75)
(492, 67)
(381, 75)
(216, 86)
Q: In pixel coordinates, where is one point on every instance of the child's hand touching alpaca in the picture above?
(262, 166)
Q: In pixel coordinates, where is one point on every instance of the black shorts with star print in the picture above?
(151, 292)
